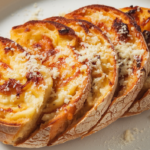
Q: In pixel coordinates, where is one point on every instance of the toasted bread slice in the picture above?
(142, 17)
(71, 78)
(133, 56)
(25, 85)
(96, 48)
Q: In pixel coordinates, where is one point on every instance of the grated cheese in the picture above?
(128, 136)
(138, 9)
(35, 14)
(35, 5)
(83, 68)
(94, 52)
(127, 53)
(99, 16)
(70, 61)
(66, 101)
(54, 72)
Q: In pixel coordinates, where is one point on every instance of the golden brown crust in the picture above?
(66, 31)
(121, 103)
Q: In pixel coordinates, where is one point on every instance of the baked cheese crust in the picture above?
(96, 48)
(54, 44)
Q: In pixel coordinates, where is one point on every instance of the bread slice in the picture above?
(133, 56)
(71, 78)
(142, 17)
(25, 85)
(96, 48)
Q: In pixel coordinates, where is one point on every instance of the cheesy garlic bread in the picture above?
(133, 56)
(96, 48)
(25, 85)
(71, 78)
(142, 17)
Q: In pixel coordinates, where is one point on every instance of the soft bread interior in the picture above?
(25, 85)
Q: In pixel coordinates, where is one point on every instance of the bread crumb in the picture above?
(136, 130)
(141, 131)
(66, 101)
(132, 28)
(128, 136)
(138, 9)
(62, 14)
(35, 5)
(35, 15)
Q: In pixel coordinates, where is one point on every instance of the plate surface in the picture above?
(15, 12)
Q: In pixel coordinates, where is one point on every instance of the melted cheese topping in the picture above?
(99, 55)
(128, 53)
(26, 104)
(45, 40)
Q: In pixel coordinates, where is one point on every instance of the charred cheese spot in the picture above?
(52, 52)
(10, 87)
(138, 60)
(145, 21)
(37, 45)
(7, 49)
(27, 29)
(131, 12)
(44, 44)
(4, 65)
(63, 31)
(121, 28)
(8, 110)
(147, 37)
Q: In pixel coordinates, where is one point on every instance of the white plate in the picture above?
(15, 12)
